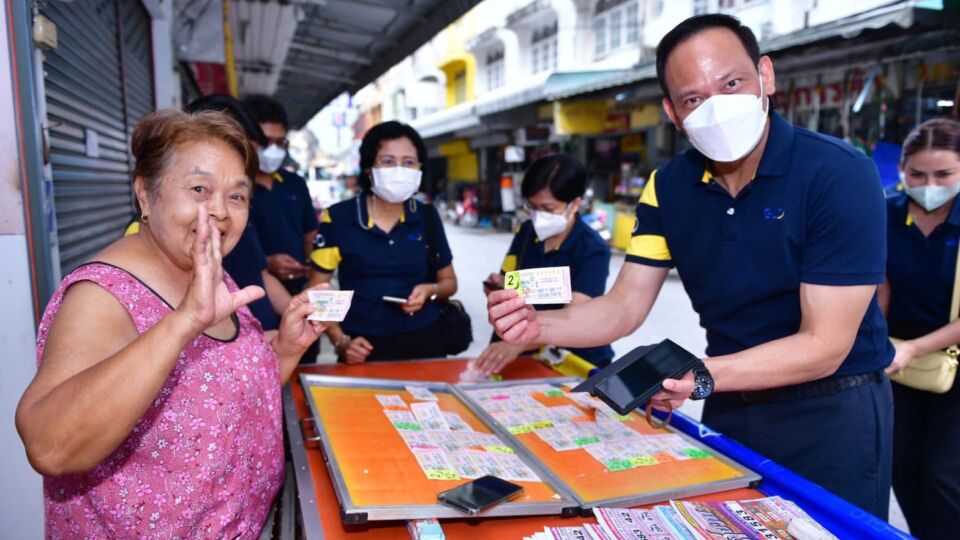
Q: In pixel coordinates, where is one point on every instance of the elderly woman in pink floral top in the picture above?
(155, 411)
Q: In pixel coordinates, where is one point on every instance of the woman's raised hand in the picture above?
(208, 300)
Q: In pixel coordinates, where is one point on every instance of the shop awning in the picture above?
(508, 97)
(455, 118)
(307, 52)
(902, 14)
(564, 85)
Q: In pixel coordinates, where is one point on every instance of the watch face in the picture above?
(703, 386)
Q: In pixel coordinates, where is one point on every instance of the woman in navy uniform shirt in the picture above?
(380, 243)
(554, 236)
(923, 228)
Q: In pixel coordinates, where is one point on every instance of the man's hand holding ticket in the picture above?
(329, 305)
(541, 285)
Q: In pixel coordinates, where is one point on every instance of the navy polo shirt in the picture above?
(920, 270)
(282, 216)
(374, 264)
(245, 265)
(584, 252)
(814, 214)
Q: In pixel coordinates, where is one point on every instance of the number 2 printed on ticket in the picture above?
(541, 285)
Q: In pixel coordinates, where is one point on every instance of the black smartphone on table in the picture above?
(478, 495)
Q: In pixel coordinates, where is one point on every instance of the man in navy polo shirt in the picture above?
(282, 210)
(778, 235)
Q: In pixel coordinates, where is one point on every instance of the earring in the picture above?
(145, 219)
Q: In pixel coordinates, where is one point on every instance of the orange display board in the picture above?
(316, 490)
(375, 463)
(591, 481)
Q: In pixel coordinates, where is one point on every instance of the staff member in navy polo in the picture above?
(554, 236)
(778, 236)
(923, 231)
(378, 244)
(282, 209)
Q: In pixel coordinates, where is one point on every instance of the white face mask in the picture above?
(270, 158)
(396, 184)
(727, 127)
(932, 197)
(548, 224)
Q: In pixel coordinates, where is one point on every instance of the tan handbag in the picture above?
(936, 371)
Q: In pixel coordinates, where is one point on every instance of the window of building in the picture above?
(700, 7)
(494, 70)
(616, 24)
(728, 4)
(633, 22)
(599, 35)
(543, 49)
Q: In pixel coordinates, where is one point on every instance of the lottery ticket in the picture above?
(488, 464)
(435, 464)
(391, 401)
(447, 441)
(541, 285)
(567, 533)
(627, 524)
(455, 422)
(421, 392)
(329, 305)
(403, 420)
(429, 416)
(557, 439)
(515, 469)
(418, 439)
(465, 465)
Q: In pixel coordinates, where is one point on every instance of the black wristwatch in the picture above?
(703, 382)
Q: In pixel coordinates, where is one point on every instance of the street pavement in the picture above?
(477, 252)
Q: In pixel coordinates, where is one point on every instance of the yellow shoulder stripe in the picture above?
(509, 263)
(327, 258)
(649, 246)
(649, 195)
(132, 228)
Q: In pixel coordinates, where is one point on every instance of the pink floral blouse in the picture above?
(204, 461)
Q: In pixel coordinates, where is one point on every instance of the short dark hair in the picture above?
(266, 109)
(387, 131)
(233, 107)
(562, 174)
(693, 26)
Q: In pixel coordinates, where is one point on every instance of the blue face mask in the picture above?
(932, 197)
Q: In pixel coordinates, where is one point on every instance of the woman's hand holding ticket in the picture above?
(513, 319)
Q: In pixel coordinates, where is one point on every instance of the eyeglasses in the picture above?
(530, 209)
(390, 161)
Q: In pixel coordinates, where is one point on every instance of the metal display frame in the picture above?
(352, 514)
(749, 479)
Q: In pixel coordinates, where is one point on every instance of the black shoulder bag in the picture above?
(454, 323)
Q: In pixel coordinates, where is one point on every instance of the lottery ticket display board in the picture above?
(391, 446)
(601, 457)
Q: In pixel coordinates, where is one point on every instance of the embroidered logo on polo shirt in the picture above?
(952, 241)
(773, 214)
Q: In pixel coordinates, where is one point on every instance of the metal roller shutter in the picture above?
(99, 83)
